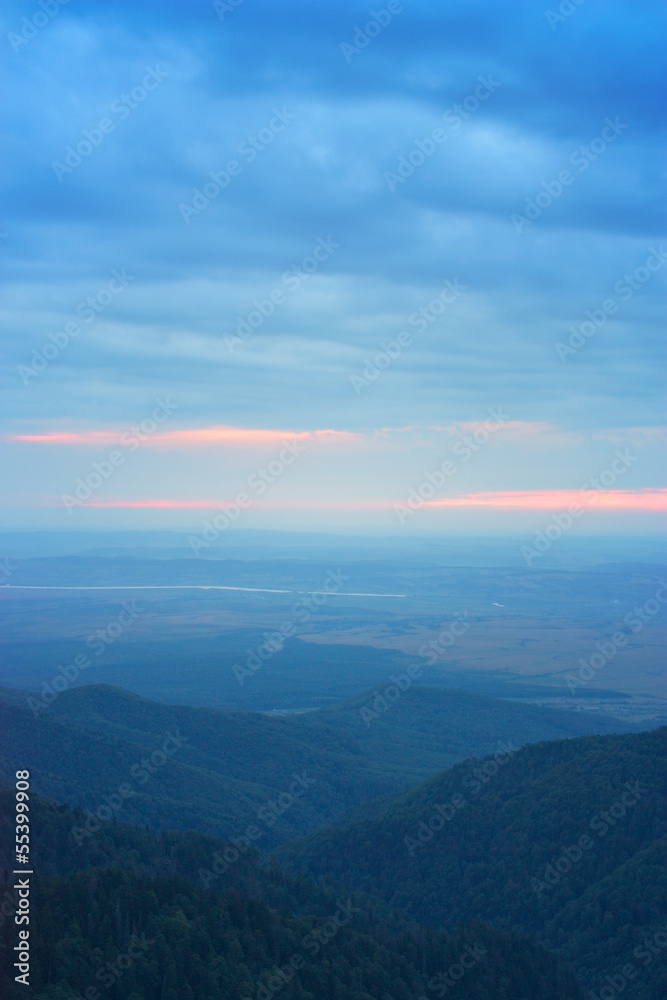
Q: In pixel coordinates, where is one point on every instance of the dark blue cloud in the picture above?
(357, 117)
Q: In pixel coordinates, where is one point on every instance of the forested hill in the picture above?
(565, 839)
(223, 769)
(550, 857)
(142, 926)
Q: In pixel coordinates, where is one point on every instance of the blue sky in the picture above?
(415, 211)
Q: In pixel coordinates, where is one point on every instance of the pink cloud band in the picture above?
(194, 437)
(641, 499)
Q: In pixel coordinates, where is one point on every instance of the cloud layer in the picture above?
(314, 217)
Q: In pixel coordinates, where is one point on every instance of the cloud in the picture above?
(560, 499)
(347, 123)
(195, 437)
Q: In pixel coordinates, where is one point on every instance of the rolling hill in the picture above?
(217, 772)
(127, 916)
(564, 839)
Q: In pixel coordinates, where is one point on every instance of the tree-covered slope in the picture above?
(563, 839)
(222, 770)
(132, 937)
(140, 925)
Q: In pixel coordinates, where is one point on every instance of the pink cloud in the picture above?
(646, 499)
(186, 438)
(286, 505)
(622, 500)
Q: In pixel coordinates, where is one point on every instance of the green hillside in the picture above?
(225, 770)
(140, 926)
(564, 839)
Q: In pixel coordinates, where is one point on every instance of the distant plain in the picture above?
(526, 629)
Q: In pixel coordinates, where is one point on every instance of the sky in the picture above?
(333, 266)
